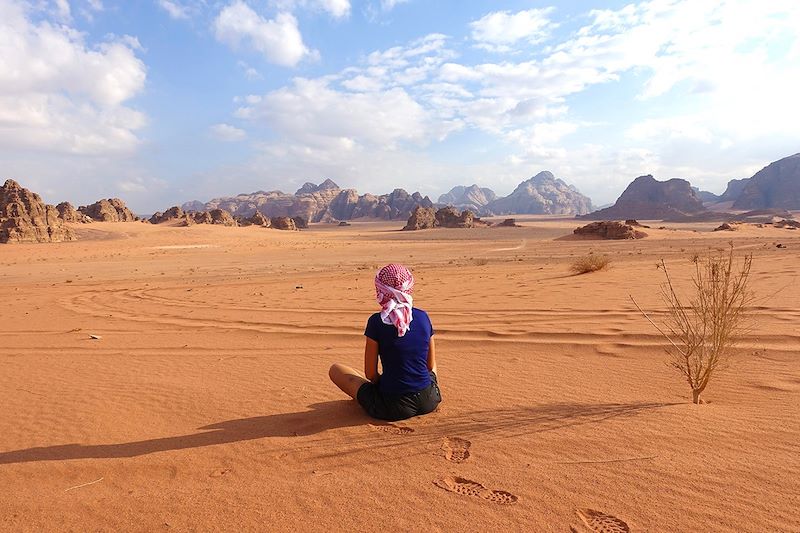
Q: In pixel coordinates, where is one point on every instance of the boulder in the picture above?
(222, 218)
(110, 210)
(25, 218)
(726, 226)
(284, 223)
(421, 218)
(610, 229)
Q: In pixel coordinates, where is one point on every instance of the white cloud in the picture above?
(501, 30)
(59, 94)
(228, 133)
(335, 8)
(279, 39)
(388, 5)
(174, 9)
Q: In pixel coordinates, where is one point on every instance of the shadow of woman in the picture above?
(321, 417)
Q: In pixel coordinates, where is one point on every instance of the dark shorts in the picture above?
(391, 407)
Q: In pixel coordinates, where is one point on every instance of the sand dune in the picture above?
(205, 403)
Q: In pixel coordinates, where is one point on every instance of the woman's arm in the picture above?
(371, 360)
(432, 357)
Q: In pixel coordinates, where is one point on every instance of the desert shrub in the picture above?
(703, 329)
(481, 261)
(590, 263)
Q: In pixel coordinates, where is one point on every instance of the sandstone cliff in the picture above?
(25, 218)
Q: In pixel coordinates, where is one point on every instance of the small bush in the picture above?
(590, 263)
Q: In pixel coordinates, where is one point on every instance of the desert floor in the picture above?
(205, 403)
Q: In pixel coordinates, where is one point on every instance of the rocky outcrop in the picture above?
(507, 223)
(542, 194)
(110, 210)
(727, 226)
(25, 218)
(300, 222)
(788, 224)
(259, 219)
(172, 214)
(284, 223)
(445, 217)
(775, 186)
(473, 198)
(609, 229)
(68, 213)
(421, 218)
(648, 198)
(449, 217)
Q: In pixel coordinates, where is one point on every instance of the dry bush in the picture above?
(481, 261)
(590, 263)
(704, 328)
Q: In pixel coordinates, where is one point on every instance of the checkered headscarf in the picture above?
(393, 287)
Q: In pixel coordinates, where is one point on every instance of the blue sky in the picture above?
(164, 101)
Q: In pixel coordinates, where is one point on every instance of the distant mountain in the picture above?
(542, 194)
(473, 198)
(705, 196)
(775, 186)
(325, 202)
(647, 198)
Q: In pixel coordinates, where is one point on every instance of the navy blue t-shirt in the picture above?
(404, 359)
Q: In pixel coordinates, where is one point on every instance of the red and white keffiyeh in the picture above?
(393, 287)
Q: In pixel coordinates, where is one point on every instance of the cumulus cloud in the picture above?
(278, 39)
(59, 93)
(228, 133)
(500, 31)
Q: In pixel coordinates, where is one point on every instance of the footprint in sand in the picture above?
(467, 487)
(600, 522)
(392, 429)
(456, 449)
(220, 472)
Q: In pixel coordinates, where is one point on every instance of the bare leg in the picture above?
(346, 379)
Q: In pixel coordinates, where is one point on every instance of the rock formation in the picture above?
(68, 213)
(473, 198)
(542, 194)
(449, 217)
(445, 217)
(705, 196)
(648, 198)
(259, 220)
(421, 218)
(775, 186)
(25, 218)
(284, 223)
(300, 222)
(110, 210)
(507, 223)
(171, 214)
(319, 203)
(610, 229)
